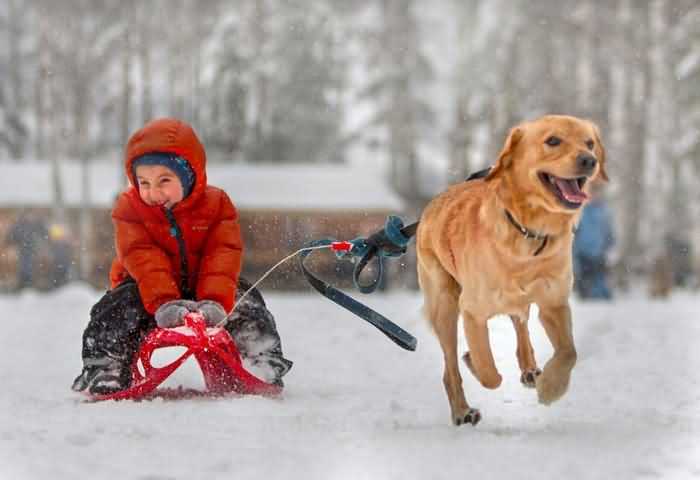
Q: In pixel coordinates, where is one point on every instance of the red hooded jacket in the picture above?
(148, 247)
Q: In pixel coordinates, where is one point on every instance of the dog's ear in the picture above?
(602, 173)
(505, 158)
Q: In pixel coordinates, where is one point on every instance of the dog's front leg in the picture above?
(554, 381)
(525, 353)
(479, 359)
(461, 412)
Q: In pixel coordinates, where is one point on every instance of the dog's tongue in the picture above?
(570, 190)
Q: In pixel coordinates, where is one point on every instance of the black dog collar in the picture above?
(527, 233)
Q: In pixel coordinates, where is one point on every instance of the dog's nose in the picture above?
(586, 163)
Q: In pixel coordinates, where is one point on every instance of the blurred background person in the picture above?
(592, 243)
(680, 254)
(60, 255)
(672, 267)
(661, 275)
(27, 234)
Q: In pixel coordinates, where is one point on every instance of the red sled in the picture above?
(214, 350)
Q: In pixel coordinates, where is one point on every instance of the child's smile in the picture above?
(158, 185)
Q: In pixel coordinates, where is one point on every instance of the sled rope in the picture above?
(264, 276)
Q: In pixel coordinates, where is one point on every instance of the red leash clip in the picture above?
(341, 246)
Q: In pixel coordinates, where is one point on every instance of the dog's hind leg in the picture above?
(554, 381)
(441, 293)
(479, 359)
(525, 353)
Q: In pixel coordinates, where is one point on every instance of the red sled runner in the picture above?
(214, 350)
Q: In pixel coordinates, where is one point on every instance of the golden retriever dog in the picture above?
(497, 244)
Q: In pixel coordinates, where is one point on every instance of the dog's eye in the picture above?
(553, 141)
(590, 144)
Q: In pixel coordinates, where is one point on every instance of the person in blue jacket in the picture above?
(593, 240)
(28, 234)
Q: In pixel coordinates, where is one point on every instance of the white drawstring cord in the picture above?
(318, 247)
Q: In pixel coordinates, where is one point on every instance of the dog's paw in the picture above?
(471, 416)
(550, 388)
(529, 377)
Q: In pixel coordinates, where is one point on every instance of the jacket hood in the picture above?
(169, 135)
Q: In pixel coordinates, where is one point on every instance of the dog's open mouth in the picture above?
(567, 190)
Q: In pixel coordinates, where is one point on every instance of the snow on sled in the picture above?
(215, 352)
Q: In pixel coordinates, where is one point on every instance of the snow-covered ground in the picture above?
(358, 407)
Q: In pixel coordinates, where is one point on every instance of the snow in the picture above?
(266, 186)
(358, 407)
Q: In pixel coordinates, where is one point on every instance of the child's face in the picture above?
(158, 185)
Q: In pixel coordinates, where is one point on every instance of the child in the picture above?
(179, 249)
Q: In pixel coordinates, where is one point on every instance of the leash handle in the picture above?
(391, 241)
(361, 264)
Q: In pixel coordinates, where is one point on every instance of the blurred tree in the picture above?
(306, 112)
(399, 73)
(14, 132)
(460, 137)
(279, 78)
(633, 88)
(76, 65)
(686, 41)
(682, 39)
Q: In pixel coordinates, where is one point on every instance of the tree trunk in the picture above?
(40, 86)
(598, 97)
(144, 54)
(636, 79)
(460, 136)
(195, 113)
(15, 99)
(85, 216)
(678, 223)
(261, 83)
(125, 113)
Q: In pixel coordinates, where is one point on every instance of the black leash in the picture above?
(397, 334)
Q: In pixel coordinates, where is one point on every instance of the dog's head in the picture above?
(553, 160)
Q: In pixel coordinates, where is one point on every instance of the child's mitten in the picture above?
(172, 313)
(213, 311)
